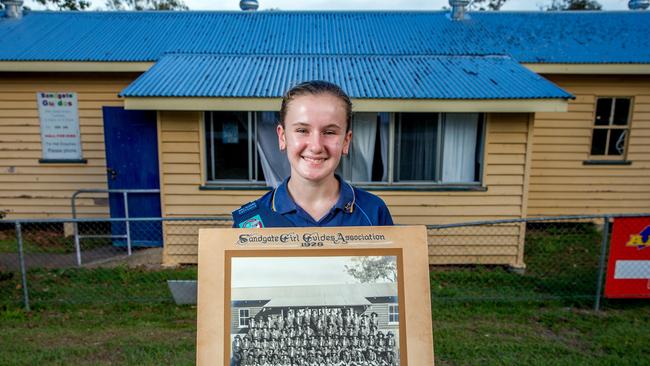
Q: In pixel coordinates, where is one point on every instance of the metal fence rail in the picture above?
(536, 259)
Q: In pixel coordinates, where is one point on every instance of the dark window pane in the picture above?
(621, 112)
(377, 161)
(229, 140)
(598, 142)
(417, 141)
(617, 139)
(603, 111)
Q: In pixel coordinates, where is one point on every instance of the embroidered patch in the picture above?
(253, 222)
(248, 207)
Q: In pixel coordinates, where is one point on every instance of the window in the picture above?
(393, 314)
(415, 148)
(244, 316)
(611, 127)
(242, 147)
(400, 149)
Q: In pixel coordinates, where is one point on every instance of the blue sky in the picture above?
(354, 4)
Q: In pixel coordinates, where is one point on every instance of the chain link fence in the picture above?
(113, 260)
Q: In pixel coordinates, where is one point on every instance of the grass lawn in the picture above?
(481, 315)
(46, 239)
(104, 322)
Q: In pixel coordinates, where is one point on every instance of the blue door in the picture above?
(132, 163)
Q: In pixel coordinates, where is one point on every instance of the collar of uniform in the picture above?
(346, 197)
(283, 203)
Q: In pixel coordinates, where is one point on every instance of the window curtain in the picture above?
(384, 127)
(275, 164)
(459, 147)
(364, 132)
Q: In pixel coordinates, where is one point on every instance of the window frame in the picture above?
(239, 318)
(609, 127)
(393, 157)
(390, 184)
(389, 314)
(253, 154)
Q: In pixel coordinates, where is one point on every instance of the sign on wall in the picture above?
(314, 296)
(628, 270)
(59, 117)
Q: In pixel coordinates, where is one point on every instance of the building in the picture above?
(495, 115)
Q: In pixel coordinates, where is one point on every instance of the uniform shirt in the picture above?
(355, 207)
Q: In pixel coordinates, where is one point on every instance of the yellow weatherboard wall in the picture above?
(30, 189)
(506, 156)
(560, 184)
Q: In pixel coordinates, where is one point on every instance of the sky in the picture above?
(290, 271)
(353, 4)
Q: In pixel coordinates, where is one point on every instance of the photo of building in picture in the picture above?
(313, 311)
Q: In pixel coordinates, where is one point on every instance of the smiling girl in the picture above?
(315, 131)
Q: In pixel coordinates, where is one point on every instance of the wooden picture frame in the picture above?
(248, 274)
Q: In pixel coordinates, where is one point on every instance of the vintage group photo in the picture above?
(313, 311)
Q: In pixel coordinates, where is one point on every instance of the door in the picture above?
(132, 163)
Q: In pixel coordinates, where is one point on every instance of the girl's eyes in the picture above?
(326, 132)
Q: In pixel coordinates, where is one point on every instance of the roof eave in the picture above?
(138, 66)
(360, 105)
(73, 66)
(584, 68)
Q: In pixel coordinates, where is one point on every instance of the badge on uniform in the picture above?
(253, 222)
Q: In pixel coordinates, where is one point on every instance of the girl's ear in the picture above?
(346, 142)
(282, 142)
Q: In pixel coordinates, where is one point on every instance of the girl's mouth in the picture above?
(314, 160)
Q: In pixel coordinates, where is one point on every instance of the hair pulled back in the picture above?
(317, 87)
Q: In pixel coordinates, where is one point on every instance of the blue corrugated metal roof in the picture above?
(556, 37)
(394, 77)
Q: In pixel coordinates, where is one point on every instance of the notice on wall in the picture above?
(59, 117)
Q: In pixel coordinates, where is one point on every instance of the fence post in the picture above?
(128, 223)
(23, 271)
(601, 264)
(77, 245)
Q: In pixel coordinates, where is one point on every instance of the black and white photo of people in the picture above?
(324, 336)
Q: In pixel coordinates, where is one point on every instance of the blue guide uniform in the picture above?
(355, 207)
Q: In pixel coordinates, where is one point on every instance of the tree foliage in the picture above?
(139, 5)
(487, 4)
(557, 5)
(373, 269)
(65, 4)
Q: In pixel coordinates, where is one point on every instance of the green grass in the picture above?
(99, 335)
(47, 240)
(540, 334)
(481, 315)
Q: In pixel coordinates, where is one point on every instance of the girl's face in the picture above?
(314, 135)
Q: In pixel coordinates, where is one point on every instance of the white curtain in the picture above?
(459, 145)
(384, 127)
(364, 132)
(275, 164)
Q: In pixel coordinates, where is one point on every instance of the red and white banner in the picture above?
(628, 270)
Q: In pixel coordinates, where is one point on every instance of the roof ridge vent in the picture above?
(248, 5)
(458, 9)
(638, 4)
(13, 8)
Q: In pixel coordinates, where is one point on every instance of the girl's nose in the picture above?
(316, 142)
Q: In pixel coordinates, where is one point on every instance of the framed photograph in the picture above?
(307, 296)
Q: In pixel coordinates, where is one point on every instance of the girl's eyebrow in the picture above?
(303, 124)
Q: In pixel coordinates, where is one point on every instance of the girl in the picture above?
(314, 130)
